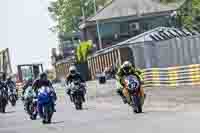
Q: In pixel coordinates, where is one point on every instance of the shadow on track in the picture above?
(57, 122)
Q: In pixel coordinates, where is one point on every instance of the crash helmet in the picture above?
(72, 70)
(126, 66)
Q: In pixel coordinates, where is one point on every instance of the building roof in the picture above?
(157, 34)
(124, 8)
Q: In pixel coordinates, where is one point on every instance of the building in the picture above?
(68, 43)
(123, 19)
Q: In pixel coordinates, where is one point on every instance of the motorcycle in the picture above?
(12, 95)
(134, 93)
(30, 103)
(77, 94)
(3, 99)
(46, 97)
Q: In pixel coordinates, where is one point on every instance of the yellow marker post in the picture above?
(156, 77)
(173, 77)
(194, 72)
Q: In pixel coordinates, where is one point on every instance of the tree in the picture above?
(190, 14)
(67, 13)
(168, 1)
(64, 12)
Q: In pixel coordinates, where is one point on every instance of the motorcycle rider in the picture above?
(9, 81)
(11, 85)
(43, 82)
(25, 94)
(126, 69)
(3, 82)
(3, 85)
(26, 85)
(74, 75)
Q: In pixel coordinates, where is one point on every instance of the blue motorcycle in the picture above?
(46, 98)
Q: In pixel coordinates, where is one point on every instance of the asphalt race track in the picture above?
(167, 110)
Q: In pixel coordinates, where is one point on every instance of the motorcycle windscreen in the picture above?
(29, 93)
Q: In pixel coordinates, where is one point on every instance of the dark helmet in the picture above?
(43, 75)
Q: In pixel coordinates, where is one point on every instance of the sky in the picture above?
(24, 29)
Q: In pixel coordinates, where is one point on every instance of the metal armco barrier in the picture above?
(172, 76)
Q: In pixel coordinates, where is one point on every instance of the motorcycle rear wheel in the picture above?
(32, 112)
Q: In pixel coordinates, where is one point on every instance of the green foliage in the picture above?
(168, 1)
(83, 51)
(67, 13)
(190, 14)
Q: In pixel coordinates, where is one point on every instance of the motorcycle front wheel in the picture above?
(136, 104)
(48, 113)
(33, 111)
(78, 102)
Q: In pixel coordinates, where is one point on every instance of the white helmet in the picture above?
(126, 67)
(126, 64)
(72, 70)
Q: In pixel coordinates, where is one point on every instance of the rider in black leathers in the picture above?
(3, 85)
(74, 76)
(11, 85)
(3, 82)
(9, 81)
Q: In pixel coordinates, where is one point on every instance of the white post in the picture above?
(82, 10)
(98, 30)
